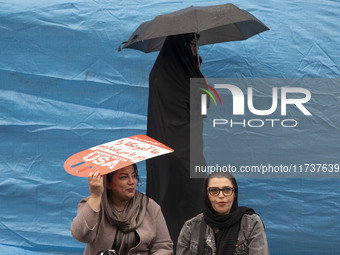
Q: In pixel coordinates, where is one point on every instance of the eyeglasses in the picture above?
(214, 191)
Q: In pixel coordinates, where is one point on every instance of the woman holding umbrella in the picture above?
(168, 177)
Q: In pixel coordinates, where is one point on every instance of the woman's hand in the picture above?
(96, 187)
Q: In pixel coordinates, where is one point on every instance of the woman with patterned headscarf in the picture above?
(118, 219)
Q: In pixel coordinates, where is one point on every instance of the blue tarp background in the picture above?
(64, 87)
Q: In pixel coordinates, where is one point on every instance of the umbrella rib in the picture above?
(237, 29)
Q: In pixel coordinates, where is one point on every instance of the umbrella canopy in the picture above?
(214, 24)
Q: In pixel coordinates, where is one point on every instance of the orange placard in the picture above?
(108, 157)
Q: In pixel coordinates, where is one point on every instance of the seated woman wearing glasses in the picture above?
(117, 219)
(223, 227)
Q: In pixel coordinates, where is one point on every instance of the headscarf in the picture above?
(132, 218)
(176, 51)
(229, 224)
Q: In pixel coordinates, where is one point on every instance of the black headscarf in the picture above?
(229, 224)
(176, 51)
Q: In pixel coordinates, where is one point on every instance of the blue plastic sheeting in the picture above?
(64, 87)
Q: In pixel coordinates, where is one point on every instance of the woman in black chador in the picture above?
(168, 176)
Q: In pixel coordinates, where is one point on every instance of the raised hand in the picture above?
(96, 187)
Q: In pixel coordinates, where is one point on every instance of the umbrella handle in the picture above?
(198, 57)
(119, 48)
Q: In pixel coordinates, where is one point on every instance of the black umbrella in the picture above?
(214, 24)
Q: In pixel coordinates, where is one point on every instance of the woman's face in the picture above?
(123, 184)
(193, 46)
(221, 203)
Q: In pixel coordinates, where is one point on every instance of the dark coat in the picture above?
(168, 176)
